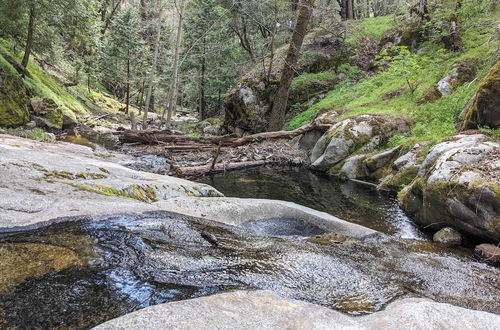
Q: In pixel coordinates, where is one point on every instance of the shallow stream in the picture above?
(79, 272)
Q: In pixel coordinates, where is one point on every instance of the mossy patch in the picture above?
(401, 179)
(13, 99)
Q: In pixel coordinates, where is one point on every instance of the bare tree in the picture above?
(281, 99)
(172, 99)
(152, 73)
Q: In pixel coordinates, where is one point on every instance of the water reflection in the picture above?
(348, 200)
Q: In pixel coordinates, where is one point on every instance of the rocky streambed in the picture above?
(128, 240)
(80, 272)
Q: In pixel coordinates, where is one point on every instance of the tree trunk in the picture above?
(29, 39)
(152, 74)
(203, 102)
(156, 137)
(350, 9)
(127, 102)
(277, 118)
(173, 86)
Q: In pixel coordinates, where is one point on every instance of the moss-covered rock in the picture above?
(248, 105)
(458, 186)
(307, 85)
(359, 134)
(400, 179)
(47, 113)
(13, 100)
(484, 107)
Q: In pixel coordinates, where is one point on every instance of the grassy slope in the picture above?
(431, 121)
(76, 102)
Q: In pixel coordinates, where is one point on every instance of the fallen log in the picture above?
(157, 137)
(218, 168)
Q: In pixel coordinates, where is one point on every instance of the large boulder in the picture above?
(43, 181)
(360, 134)
(13, 99)
(484, 107)
(266, 310)
(458, 185)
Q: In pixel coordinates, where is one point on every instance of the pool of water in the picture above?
(84, 271)
(349, 200)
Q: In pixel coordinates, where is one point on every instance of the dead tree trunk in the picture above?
(157, 137)
(281, 99)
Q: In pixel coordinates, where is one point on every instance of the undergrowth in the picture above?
(388, 93)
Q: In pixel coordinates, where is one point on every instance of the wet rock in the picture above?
(448, 237)
(488, 253)
(484, 108)
(362, 133)
(458, 185)
(209, 238)
(13, 99)
(269, 311)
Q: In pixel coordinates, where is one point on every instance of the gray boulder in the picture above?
(360, 134)
(448, 237)
(458, 184)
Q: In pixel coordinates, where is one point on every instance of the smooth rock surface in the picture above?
(42, 181)
(266, 310)
(236, 211)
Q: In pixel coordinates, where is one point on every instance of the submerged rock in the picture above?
(448, 237)
(488, 253)
(458, 185)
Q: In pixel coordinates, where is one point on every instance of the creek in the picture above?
(79, 272)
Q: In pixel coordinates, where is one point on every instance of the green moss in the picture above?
(145, 194)
(13, 100)
(102, 169)
(431, 121)
(91, 176)
(401, 179)
(103, 155)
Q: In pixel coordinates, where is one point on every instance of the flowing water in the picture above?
(79, 272)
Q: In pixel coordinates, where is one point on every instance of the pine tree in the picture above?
(124, 54)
